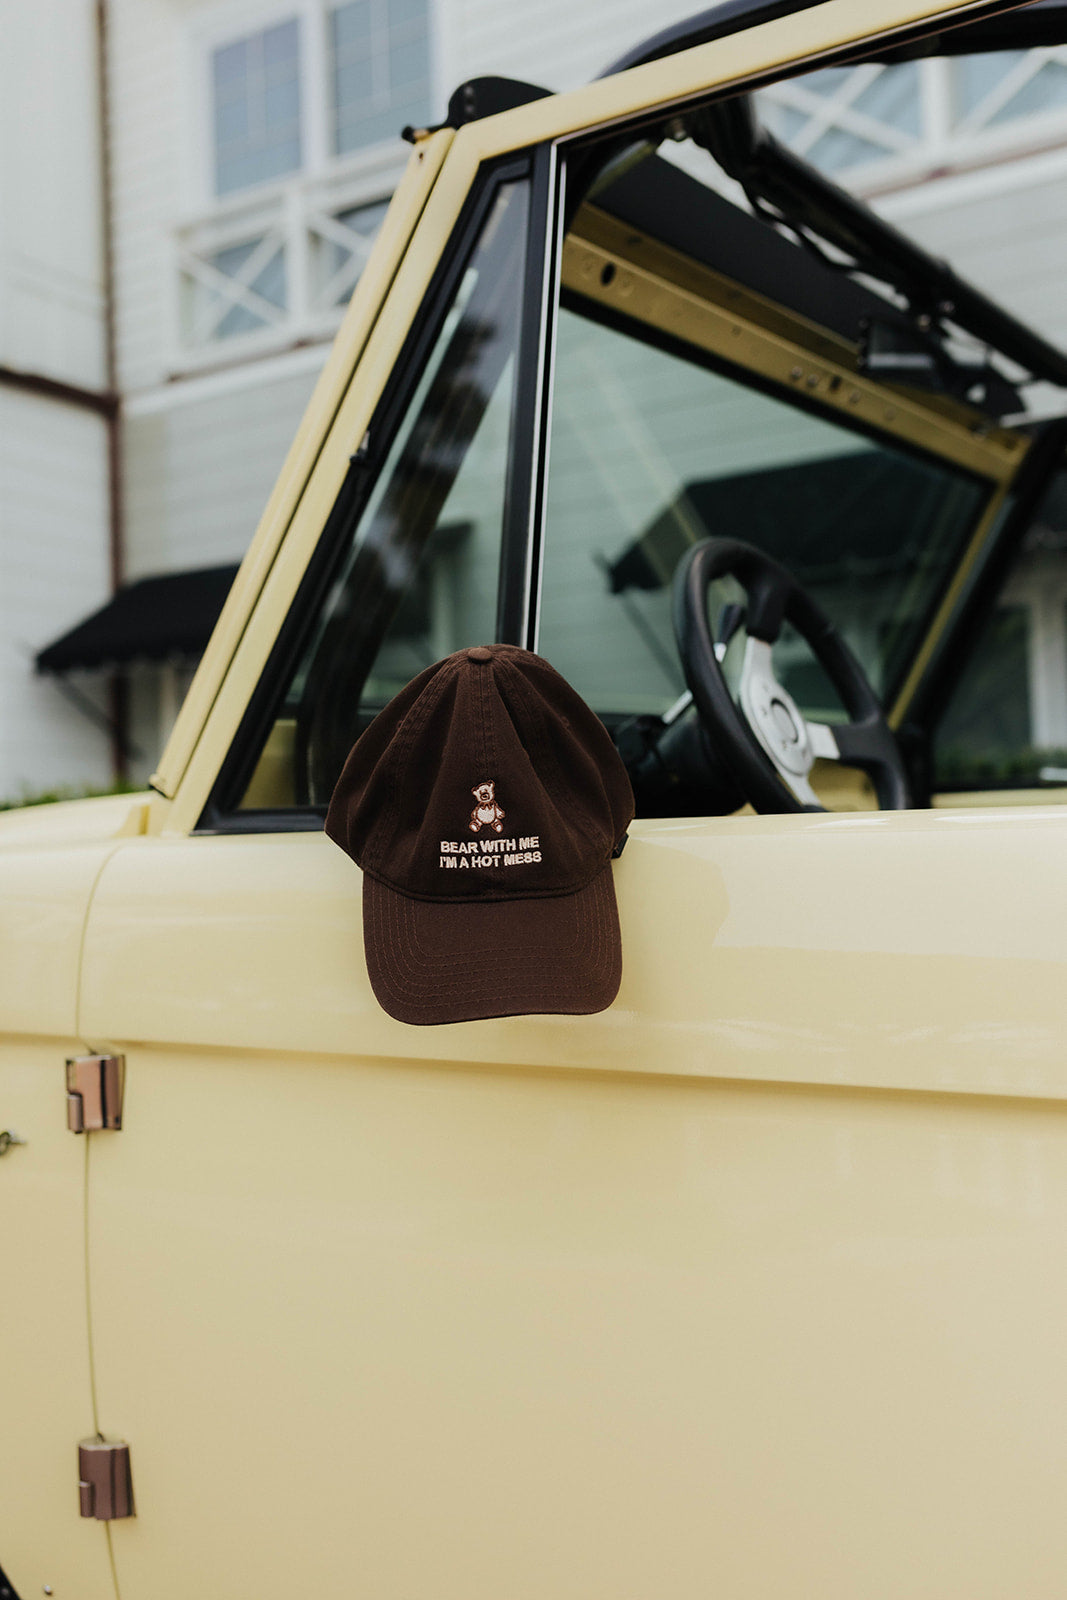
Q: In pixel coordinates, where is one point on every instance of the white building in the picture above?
(252, 148)
(55, 407)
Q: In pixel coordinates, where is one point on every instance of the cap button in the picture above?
(480, 653)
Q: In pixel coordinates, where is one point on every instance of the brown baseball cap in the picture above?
(484, 805)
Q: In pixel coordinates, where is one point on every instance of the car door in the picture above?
(724, 1284)
(49, 860)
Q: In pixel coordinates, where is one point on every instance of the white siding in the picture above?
(53, 571)
(149, 136)
(556, 44)
(1004, 228)
(51, 296)
(53, 456)
(200, 469)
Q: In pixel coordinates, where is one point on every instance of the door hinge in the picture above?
(94, 1092)
(105, 1488)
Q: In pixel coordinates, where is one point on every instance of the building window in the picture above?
(256, 83)
(845, 117)
(317, 100)
(380, 68)
(1008, 85)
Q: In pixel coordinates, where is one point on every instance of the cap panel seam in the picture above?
(405, 738)
(493, 897)
(558, 789)
(486, 729)
(533, 711)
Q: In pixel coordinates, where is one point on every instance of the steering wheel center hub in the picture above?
(785, 727)
(772, 713)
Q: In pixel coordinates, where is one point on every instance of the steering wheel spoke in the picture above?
(822, 736)
(867, 744)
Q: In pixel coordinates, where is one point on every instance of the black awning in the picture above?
(155, 619)
(861, 515)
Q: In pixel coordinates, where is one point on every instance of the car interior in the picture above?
(801, 478)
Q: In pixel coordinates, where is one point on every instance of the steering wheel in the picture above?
(766, 742)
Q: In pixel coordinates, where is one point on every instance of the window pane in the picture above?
(257, 107)
(892, 97)
(984, 737)
(1006, 723)
(420, 573)
(977, 76)
(352, 25)
(380, 70)
(652, 452)
(1045, 91)
(246, 313)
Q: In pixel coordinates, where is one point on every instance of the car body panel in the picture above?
(438, 1290)
(50, 858)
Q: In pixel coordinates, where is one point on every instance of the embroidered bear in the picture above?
(486, 814)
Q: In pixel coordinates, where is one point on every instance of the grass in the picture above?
(48, 797)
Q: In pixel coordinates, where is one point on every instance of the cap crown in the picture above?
(487, 777)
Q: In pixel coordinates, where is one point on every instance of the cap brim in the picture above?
(459, 961)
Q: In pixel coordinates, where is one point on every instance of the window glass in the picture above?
(256, 84)
(380, 70)
(259, 272)
(1006, 723)
(843, 117)
(652, 452)
(858, 119)
(976, 78)
(341, 257)
(419, 574)
(1008, 84)
(984, 738)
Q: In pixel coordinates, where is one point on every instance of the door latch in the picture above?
(94, 1092)
(105, 1488)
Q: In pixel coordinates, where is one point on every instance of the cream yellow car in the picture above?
(755, 1283)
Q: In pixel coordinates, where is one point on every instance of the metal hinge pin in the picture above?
(94, 1093)
(105, 1487)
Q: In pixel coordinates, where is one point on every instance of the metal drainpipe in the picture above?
(116, 521)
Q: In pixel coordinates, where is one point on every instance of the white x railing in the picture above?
(900, 123)
(277, 265)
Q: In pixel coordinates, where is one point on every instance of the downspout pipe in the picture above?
(113, 417)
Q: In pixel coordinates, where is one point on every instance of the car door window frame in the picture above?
(538, 169)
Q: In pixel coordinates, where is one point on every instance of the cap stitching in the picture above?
(390, 956)
(536, 714)
(488, 742)
(490, 898)
(558, 788)
(405, 738)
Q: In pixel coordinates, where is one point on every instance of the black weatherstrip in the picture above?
(527, 457)
(956, 645)
(983, 27)
(221, 813)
